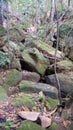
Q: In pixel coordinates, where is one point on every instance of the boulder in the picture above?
(65, 79)
(13, 47)
(3, 95)
(54, 126)
(35, 60)
(28, 125)
(12, 77)
(48, 50)
(2, 31)
(30, 86)
(24, 100)
(31, 76)
(64, 65)
(15, 64)
(16, 34)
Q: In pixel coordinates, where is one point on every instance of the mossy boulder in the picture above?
(15, 64)
(28, 125)
(15, 48)
(54, 126)
(35, 60)
(65, 79)
(64, 65)
(3, 95)
(2, 31)
(30, 86)
(13, 77)
(16, 34)
(24, 100)
(48, 50)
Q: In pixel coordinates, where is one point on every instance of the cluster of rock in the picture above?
(32, 61)
(36, 57)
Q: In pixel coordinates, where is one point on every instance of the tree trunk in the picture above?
(1, 11)
(52, 17)
(68, 3)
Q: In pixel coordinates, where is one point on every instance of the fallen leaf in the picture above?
(66, 123)
(33, 116)
(45, 121)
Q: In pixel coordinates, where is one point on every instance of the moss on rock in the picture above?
(29, 86)
(28, 125)
(3, 95)
(13, 77)
(53, 126)
(23, 100)
(52, 103)
(35, 59)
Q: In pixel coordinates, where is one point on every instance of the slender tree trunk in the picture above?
(52, 16)
(1, 11)
(68, 3)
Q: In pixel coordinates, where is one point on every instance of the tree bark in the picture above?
(52, 16)
(1, 11)
(68, 3)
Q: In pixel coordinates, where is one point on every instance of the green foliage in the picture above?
(4, 59)
(7, 125)
(64, 29)
(53, 126)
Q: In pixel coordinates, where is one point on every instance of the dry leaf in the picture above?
(45, 121)
(66, 123)
(33, 116)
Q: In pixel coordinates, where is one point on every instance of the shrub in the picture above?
(4, 59)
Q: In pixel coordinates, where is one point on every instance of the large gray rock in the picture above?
(29, 86)
(31, 76)
(65, 79)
